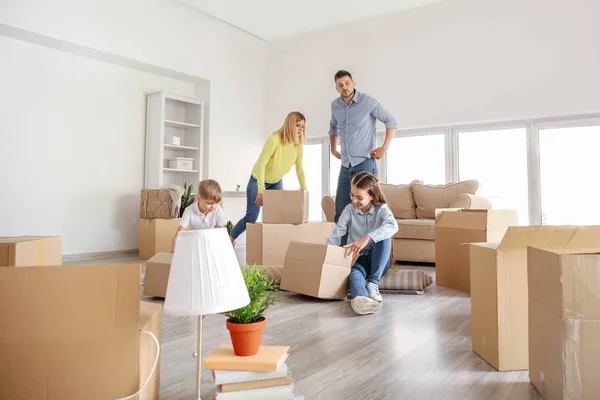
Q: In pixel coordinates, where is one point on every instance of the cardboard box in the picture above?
(157, 274)
(285, 207)
(156, 236)
(317, 270)
(454, 229)
(564, 317)
(267, 244)
(150, 320)
(30, 250)
(70, 332)
(499, 294)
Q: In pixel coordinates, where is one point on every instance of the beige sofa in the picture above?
(414, 207)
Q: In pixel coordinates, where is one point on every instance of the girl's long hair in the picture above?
(287, 132)
(367, 181)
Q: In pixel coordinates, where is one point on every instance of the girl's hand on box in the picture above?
(354, 248)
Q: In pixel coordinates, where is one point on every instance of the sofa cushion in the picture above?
(401, 200)
(405, 279)
(416, 229)
(430, 197)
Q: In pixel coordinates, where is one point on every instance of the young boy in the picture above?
(206, 213)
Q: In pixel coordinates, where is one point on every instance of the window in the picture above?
(569, 163)
(417, 157)
(313, 171)
(498, 160)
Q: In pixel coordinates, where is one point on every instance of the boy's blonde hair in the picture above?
(287, 132)
(210, 189)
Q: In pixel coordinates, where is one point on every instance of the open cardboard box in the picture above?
(499, 293)
(453, 229)
(72, 332)
(317, 270)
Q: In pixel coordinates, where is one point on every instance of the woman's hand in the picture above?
(259, 200)
(354, 248)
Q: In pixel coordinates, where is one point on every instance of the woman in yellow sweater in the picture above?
(281, 151)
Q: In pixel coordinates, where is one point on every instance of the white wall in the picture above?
(72, 153)
(454, 61)
(164, 33)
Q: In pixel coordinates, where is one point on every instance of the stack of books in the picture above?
(263, 376)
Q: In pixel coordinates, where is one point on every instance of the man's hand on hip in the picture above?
(378, 153)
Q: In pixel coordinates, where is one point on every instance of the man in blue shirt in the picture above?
(354, 117)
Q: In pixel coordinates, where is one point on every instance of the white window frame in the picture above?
(401, 133)
(451, 131)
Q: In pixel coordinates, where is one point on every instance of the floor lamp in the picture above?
(205, 278)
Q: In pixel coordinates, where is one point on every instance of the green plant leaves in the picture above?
(229, 227)
(187, 198)
(261, 291)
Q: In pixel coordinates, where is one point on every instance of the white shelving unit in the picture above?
(169, 116)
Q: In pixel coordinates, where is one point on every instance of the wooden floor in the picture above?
(415, 347)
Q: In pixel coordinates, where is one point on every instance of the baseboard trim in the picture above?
(102, 254)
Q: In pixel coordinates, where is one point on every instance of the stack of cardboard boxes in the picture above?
(285, 219)
(285, 240)
(158, 224)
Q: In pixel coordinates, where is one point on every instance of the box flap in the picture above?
(63, 327)
(488, 245)
(439, 211)
(319, 253)
(558, 238)
(161, 258)
(306, 252)
(476, 219)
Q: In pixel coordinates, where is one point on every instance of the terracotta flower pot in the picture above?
(246, 337)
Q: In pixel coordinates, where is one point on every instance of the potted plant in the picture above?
(187, 198)
(246, 324)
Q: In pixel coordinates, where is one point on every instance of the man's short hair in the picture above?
(340, 74)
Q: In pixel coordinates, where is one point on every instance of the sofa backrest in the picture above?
(430, 197)
(401, 199)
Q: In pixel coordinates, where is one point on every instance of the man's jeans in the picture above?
(342, 196)
(252, 209)
(370, 268)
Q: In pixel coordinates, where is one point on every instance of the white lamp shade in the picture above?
(205, 276)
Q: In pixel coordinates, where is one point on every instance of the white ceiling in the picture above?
(273, 19)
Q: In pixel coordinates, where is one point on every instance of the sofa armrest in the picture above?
(328, 207)
(471, 201)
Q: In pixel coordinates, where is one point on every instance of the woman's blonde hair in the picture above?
(287, 132)
(368, 182)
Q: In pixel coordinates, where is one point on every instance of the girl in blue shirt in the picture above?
(370, 226)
